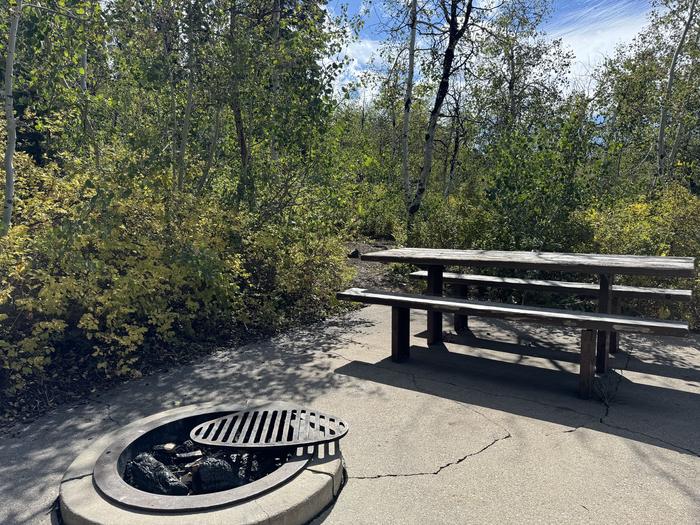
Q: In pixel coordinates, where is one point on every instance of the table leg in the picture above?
(604, 307)
(435, 318)
(614, 336)
(461, 321)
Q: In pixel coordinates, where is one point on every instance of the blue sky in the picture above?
(591, 28)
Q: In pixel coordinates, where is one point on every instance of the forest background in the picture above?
(182, 170)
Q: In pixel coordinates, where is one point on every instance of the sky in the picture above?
(590, 28)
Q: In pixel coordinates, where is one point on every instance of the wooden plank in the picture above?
(614, 336)
(565, 287)
(590, 320)
(400, 334)
(434, 316)
(575, 262)
(604, 307)
(587, 367)
(461, 322)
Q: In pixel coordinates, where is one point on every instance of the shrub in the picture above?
(381, 212)
(294, 268)
(100, 278)
(667, 224)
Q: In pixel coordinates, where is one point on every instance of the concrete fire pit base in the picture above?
(295, 502)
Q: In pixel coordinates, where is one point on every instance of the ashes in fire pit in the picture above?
(187, 468)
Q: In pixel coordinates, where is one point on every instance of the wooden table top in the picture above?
(575, 262)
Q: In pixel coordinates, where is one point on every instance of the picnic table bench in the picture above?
(599, 330)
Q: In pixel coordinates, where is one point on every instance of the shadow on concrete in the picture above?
(303, 365)
(647, 413)
(644, 355)
(34, 456)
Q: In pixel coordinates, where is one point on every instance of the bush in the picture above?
(294, 269)
(451, 223)
(667, 224)
(98, 279)
(381, 212)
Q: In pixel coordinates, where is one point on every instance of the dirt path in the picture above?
(372, 274)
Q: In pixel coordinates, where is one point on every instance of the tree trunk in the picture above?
(276, 21)
(663, 121)
(453, 163)
(10, 122)
(408, 100)
(246, 189)
(185, 133)
(455, 33)
(446, 159)
(88, 130)
(213, 145)
(680, 132)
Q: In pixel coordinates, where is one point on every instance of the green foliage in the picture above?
(453, 223)
(191, 171)
(98, 279)
(294, 274)
(380, 212)
(667, 224)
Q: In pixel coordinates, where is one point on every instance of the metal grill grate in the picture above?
(270, 426)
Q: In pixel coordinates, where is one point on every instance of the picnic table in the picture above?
(605, 266)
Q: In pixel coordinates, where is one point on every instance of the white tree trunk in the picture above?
(663, 121)
(407, 102)
(10, 122)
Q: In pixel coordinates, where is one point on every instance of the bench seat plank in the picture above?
(585, 320)
(567, 287)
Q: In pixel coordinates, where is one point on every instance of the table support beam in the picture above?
(604, 307)
(615, 336)
(434, 318)
(400, 334)
(587, 372)
(461, 321)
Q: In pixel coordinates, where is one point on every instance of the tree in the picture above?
(457, 21)
(10, 122)
(408, 99)
(663, 120)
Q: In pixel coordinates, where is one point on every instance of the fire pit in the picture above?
(250, 463)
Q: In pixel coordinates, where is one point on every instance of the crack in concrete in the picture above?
(600, 419)
(440, 468)
(608, 406)
(649, 436)
(76, 477)
(608, 398)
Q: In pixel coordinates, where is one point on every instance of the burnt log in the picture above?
(150, 475)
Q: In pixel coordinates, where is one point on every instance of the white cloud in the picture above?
(594, 31)
(361, 51)
(359, 54)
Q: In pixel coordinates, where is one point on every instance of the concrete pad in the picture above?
(492, 432)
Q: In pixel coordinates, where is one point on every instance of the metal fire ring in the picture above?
(109, 482)
(270, 426)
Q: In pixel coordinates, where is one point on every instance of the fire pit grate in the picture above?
(272, 426)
